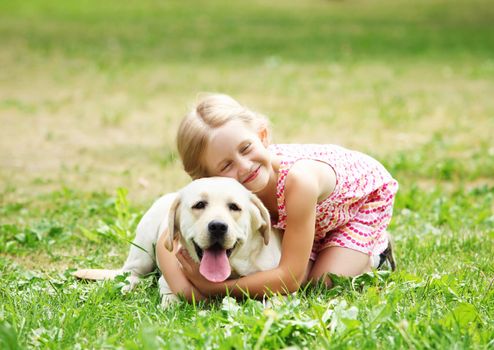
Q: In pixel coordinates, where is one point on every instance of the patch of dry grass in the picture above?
(67, 123)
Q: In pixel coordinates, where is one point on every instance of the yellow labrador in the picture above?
(222, 225)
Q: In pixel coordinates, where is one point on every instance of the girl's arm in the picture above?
(301, 194)
(174, 276)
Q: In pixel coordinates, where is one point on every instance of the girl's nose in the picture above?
(244, 166)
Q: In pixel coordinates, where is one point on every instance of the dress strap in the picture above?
(285, 166)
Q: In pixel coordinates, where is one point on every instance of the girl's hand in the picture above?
(191, 270)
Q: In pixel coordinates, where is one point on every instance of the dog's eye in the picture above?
(200, 205)
(233, 207)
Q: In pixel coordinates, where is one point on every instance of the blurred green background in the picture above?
(91, 94)
(115, 32)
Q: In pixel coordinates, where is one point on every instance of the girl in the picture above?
(332, 204)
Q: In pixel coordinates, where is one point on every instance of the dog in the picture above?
(223, 227)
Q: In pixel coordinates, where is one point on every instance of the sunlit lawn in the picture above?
(91, 95)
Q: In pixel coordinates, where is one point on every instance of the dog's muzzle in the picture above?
(217, 234)
(217, 230)
(214, 264)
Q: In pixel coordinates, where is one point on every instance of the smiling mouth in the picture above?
(252, 175)
(214, 247)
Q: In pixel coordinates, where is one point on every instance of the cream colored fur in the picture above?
(255, 246)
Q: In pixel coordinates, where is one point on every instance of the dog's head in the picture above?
(213, 217)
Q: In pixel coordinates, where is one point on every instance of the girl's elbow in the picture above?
(190, 295)
(292, 282)
(184, 290)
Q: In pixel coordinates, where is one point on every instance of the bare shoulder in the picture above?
(300, 179)
(311, 177)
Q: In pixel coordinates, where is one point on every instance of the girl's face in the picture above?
(235, 150)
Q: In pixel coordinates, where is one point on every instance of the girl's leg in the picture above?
(307, 272)
(172, 272)
(339, 261)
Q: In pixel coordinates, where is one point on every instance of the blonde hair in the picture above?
(210, 112)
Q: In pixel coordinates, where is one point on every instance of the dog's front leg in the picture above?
(166, 294)
(141, 258)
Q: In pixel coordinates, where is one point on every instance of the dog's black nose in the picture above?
(217, 229)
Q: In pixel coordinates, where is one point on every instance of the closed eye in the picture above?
(227, 165)
(200, 205)
(245, 149)
(234, 207)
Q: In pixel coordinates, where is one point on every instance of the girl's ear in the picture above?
(264, 136)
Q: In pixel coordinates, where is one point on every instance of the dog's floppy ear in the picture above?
(173, 224)
(260, 218)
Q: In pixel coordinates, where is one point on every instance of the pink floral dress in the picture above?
(358, 211)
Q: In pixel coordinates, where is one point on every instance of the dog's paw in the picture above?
(133, 281)
(168, 300)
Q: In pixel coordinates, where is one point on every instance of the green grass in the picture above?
(440, 297)
(91, 94)
(217, 31)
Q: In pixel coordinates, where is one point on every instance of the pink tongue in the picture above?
(214, 265)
